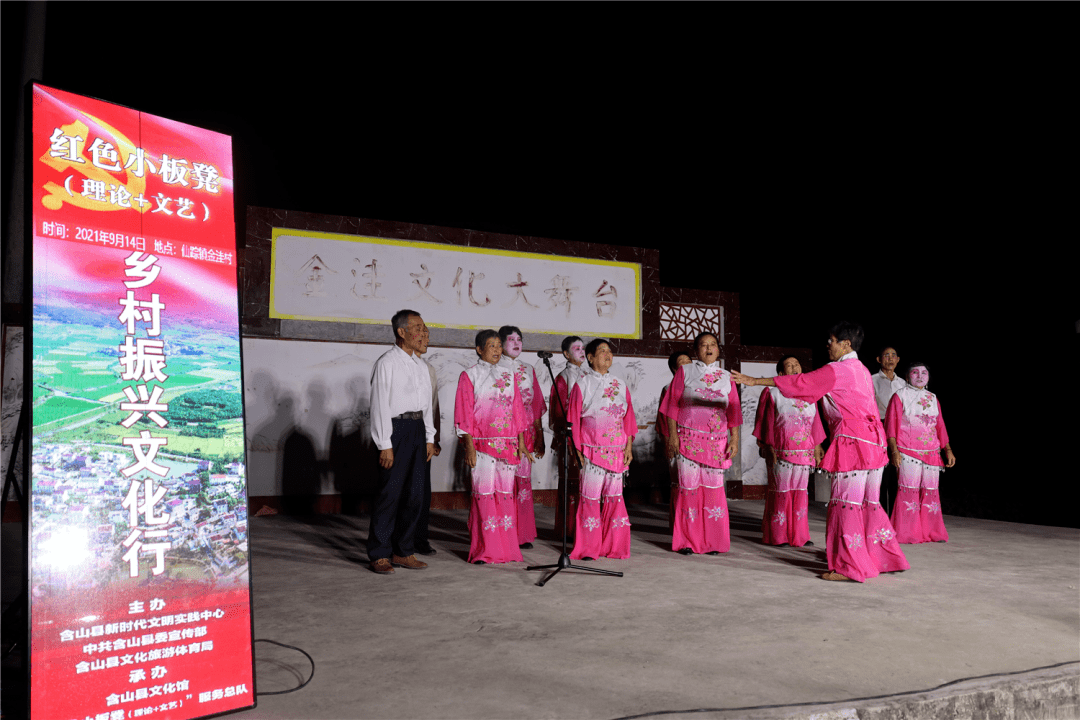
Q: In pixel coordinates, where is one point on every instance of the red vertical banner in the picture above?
(139, 567)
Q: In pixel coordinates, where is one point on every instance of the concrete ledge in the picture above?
(1047, 694)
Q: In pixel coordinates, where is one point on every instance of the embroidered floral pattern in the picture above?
(620, 522)
(711, 377)
(882, 535)
(779, 518)
(713, 513)
(615, 411)
(691, 513)
(708, 394)
(507, 522)
(925, 401)
(612, 390)
(799, 514)
(592, 523)
(525, 495)
(854, 542)
(934, 507)
(800, 405)
(911, 506)
(491, 524)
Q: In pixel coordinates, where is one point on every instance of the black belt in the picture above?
(417, 415)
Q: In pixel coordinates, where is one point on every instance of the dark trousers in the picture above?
(890, 485)
(401, 490)
(421, 542)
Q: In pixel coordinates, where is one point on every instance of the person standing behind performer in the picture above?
(533, 400)
(887, 382)
(601, 414)
(491, 422)
(676, 360)
(790, 434)
(573, 349)
(917, 440)
(704, 417)
(421, 544)
(860, 541)
(404, 432)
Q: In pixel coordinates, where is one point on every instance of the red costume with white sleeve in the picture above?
(488, 408)
(860, 541)
(914, 419)
(792, 428)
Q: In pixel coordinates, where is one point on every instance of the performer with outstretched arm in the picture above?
(860, 541)
(917, 441)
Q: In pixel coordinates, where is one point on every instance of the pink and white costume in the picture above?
(914, 419)
(704, 401)
(533, 400)
(488, 408)
(860, 541)
(603, 418)
(792, 428)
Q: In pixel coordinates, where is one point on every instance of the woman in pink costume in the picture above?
(790, 434)
(917, 440)
(533, 401)
(860, 541)
(491, 421)
(602, 416)
(704, 416)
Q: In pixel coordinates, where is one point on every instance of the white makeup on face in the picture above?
(577, 353)
(919, 376)
(513, 345)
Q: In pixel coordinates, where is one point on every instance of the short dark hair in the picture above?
(781, 361)
(703, 335)
(852, 332)
(483, 336)
(568, 341)
(507, 330)
(401, 320)
(592, 347)
(673, 360)
(887, 347)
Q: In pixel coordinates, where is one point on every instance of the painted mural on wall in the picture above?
(322, 276)
(308, 414)
(753, 465)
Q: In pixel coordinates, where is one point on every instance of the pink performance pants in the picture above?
(785, 521)
(603, 527)
(859, 539)
(493, 512)
(917, 512)
(701, 512)
(526, 513)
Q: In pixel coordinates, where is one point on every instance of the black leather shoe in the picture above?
(686, 551)
(525, 546)
(588, 558)
(713, 552)
(808, 543)
(479, 562)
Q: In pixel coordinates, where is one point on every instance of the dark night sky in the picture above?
(918, 180)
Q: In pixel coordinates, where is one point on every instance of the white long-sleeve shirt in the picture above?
(884, 389)
(400, 383)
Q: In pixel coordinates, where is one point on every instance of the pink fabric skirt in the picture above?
(785, 519)
(526, 512)
(492, 520)
(701, 521)
(917, 513)
(602, 527)
(860, 542)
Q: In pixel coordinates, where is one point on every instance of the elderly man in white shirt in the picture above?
(886, 382)
(404, 432)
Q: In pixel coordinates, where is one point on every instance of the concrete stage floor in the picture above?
(677, 634)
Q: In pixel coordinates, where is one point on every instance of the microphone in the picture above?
(544, 354)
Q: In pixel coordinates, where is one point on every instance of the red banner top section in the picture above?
(103, 168)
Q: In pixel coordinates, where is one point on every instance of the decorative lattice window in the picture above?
(684, 322)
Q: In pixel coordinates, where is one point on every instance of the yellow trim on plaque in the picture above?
(276, 232)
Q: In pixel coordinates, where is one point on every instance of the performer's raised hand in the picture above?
(742, 379)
